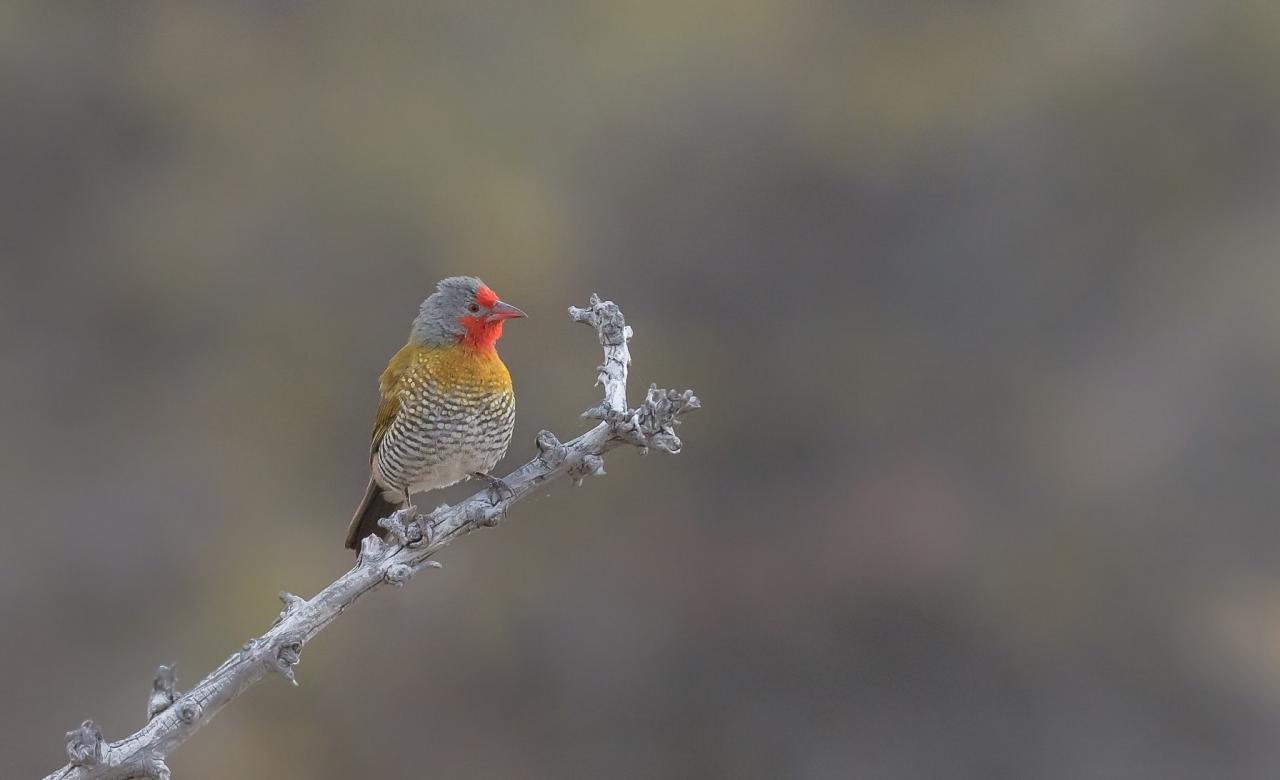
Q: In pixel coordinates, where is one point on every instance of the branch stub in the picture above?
(163, 691)
(85, 746)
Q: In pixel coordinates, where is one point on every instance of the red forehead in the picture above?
(485, 296)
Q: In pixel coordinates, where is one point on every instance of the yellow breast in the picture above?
(424, 374)
(460, 368)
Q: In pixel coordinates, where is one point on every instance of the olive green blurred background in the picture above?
(980, 299)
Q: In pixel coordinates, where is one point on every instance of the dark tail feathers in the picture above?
(365, 521)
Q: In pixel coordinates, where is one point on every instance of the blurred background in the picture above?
(979, 298)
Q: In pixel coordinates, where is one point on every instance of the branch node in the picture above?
(155, 768)
(481, 516)
(291, 603)
(85, 746)
(162, 691)
(398, 574)
(590, 464)
(599, 412)
(550, 451)
(288, 654)
(188, 711)
(605, 317)
(395, 527)
(660, 413)
(372, 548)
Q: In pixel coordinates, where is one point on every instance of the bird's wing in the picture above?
(389, 386)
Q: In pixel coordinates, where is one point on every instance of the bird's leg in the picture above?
(497, 486)
(408, 502)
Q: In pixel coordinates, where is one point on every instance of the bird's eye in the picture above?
(473, 308)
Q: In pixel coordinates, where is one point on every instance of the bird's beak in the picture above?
(504, 311)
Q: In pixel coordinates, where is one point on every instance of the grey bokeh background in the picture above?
(979, 297)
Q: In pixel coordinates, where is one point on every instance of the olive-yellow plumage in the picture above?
(446, 407)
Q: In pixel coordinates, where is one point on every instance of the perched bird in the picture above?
(447, 409)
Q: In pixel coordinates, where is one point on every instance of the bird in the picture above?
(446, 410)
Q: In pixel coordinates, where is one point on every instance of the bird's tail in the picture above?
(365, 521)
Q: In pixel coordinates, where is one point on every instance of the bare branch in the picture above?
(412, 540)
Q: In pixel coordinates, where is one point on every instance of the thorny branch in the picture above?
(413, 540)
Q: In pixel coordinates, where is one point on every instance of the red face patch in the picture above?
(480, 334)
(486, 297)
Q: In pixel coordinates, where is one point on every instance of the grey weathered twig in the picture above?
(413, 539)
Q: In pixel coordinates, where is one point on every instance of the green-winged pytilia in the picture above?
(447, 409)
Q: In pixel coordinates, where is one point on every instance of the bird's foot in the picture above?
(417, 526)
(497, 487)
(420, 531)
(396, 526)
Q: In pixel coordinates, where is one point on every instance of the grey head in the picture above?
(462, 307)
